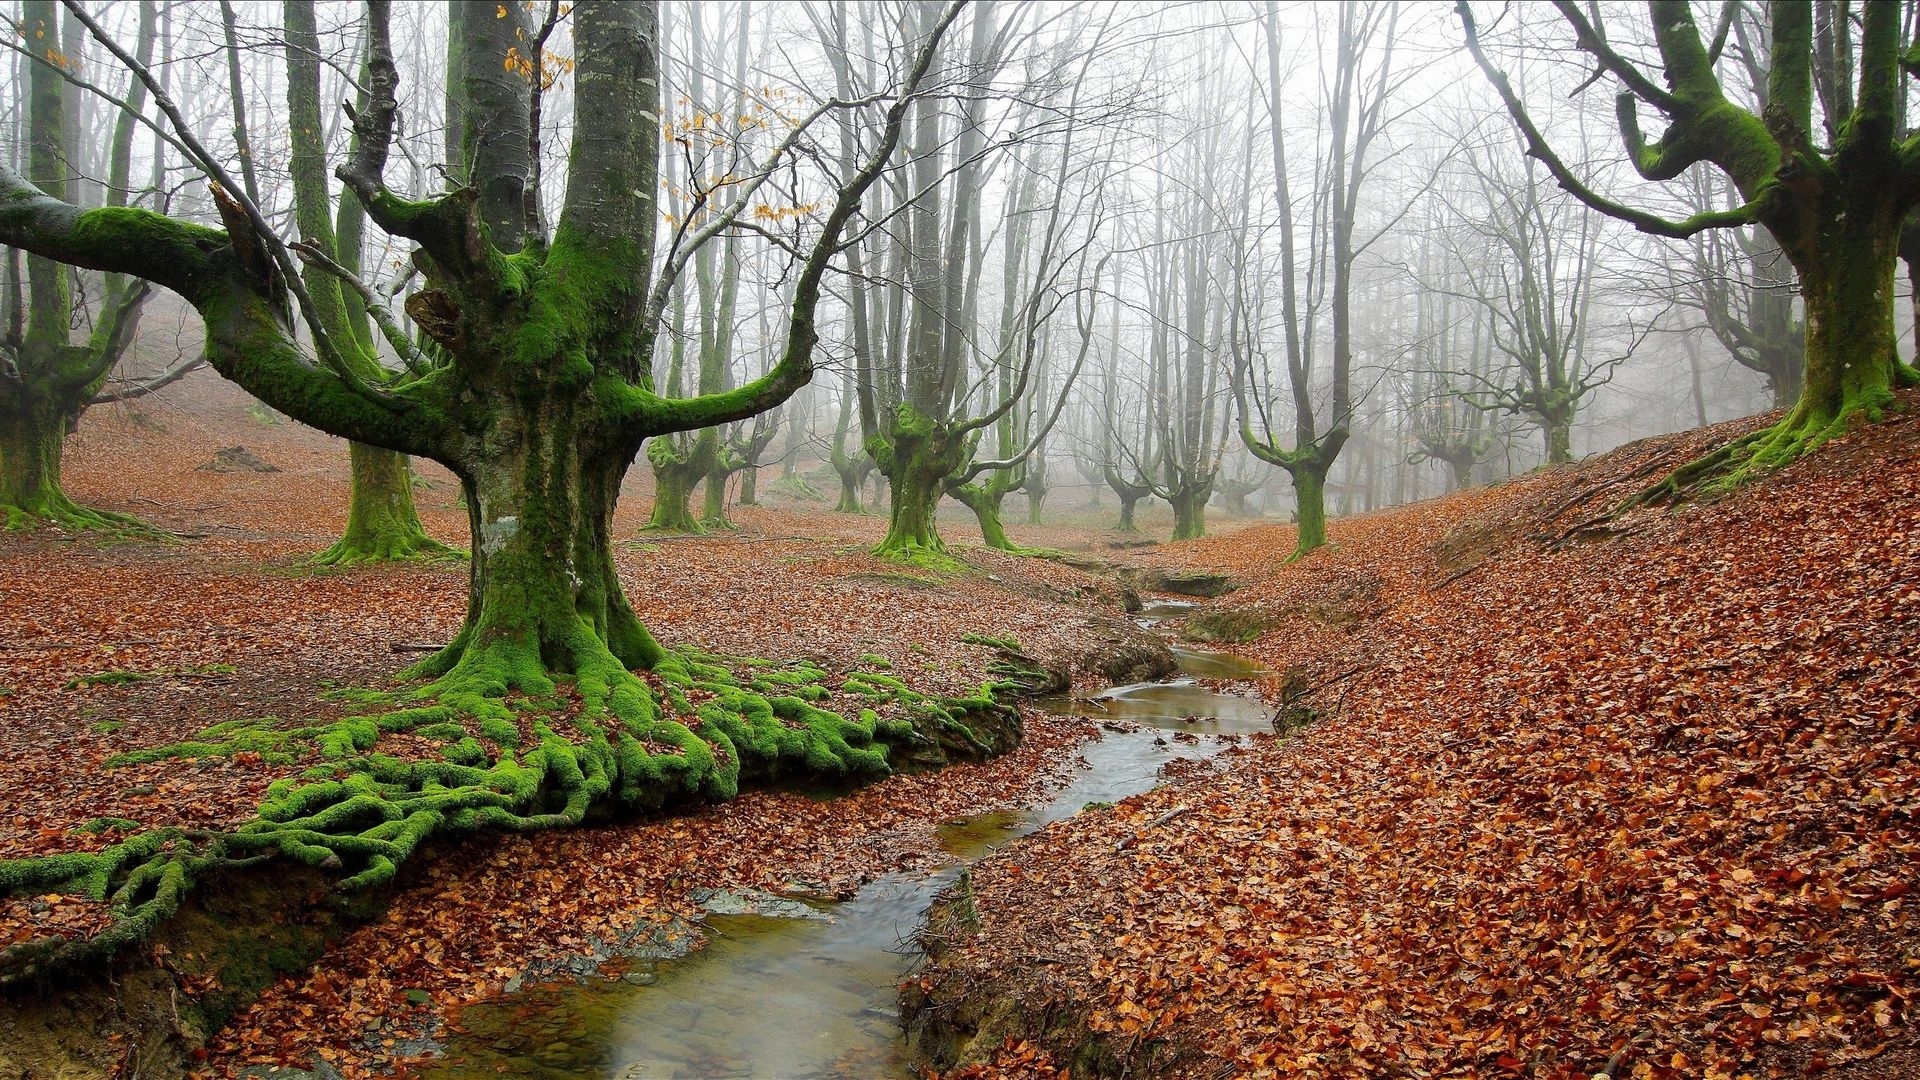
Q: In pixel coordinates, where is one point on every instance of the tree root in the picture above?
(519, 751)
(407, 545)
(929, 557)
(1727, 468)
(54, 508)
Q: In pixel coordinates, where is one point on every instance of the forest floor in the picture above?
(1640, 804)
(1636, 800)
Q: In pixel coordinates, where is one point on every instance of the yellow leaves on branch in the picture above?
(553, 66)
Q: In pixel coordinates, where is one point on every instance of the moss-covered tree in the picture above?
(46, 378)
(1833, 194)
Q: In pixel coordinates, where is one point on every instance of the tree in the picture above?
(1356, 100)
(1532, 266)
(540, 396)
(1833, 196)
(45, 378)
(714, 141)
(382, 523)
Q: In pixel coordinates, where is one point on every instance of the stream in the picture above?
(793, 989)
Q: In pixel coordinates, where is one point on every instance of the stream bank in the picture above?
(793, 984)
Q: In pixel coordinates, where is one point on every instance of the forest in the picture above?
(959, 538)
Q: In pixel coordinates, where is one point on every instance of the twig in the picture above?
(1458, 574)
(1134, 836)
(413, 646)
(177, 509)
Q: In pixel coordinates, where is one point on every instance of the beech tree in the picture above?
(1530, 262)
(1357, 91)
(1832, 193)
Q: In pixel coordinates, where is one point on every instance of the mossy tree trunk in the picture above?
(1310, 501)
(852, 472)
(675, 473)
(1556, 425)
(33, 433)
(1190, 511)
(985, 497)
(916, 456)
(1460, 471)
(382, 523)
(50, 379)
(1852, 354)
(544, 593)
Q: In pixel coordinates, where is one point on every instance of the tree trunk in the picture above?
(1190, 512)
(713, 507)
(750, 486)
(1853, 359)
(985, 501)
(1310, 500)
(674, 475)
(910, 525)
(543, 595)
(1127, 503)
(851, 481)
(916, 455)
(32, 439)
(1558, 428)
(1460, 472)
(382, 523)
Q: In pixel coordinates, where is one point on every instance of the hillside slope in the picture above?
(1635, 801)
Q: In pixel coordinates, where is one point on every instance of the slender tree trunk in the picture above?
(713, 508)
(851, 482)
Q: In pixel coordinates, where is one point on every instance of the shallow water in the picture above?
(814, 997)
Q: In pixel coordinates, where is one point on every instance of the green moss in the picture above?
(101, 825)
(108, 678)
